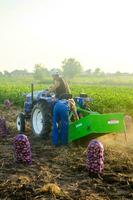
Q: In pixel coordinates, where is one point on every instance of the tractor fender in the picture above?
(46, 103)
(42, 101)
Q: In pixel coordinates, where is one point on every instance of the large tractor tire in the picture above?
(20, 122)
(41, 122)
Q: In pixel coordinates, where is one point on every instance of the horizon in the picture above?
(96, 33)
(84, 70)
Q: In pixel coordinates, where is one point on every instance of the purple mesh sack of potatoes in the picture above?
(95, 157)
(7, 103)
(3, 128)
(22, 149)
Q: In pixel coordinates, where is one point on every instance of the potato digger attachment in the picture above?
(38, 109)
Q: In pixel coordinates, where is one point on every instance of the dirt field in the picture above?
(60, 173)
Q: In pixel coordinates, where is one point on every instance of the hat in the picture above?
(54, 72)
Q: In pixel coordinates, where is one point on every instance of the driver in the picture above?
(60, 86)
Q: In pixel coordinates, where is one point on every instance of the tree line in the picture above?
(70, 68)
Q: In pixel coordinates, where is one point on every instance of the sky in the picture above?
(97, 33)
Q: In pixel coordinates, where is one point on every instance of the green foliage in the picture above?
(40, 73)
(98, 72)
(19, 73)
(14, 89)
(71, 68)
(107, 99)
(125, 80)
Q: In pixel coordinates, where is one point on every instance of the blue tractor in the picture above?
(38, 109)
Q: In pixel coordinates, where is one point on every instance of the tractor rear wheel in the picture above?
(41, 120)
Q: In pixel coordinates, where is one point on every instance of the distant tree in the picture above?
(6, 73)
(40, 72)
(102, 73)
(19, 72)
(118, 73)
(1, 74)
(88, 72)
(97, 71)
(71, 68)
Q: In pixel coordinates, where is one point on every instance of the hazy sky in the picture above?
(97, 33)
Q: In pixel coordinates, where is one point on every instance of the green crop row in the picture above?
(108, 99)
(105, 99)
(16, 93)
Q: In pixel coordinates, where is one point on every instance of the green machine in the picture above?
(37, 109)
(93, 124)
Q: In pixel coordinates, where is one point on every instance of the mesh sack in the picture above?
(3, 127)
(95, 157)
(22, 149)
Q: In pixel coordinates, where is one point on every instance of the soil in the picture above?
(60, 172)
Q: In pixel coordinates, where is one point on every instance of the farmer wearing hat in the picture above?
(60, 86)
(63, 104)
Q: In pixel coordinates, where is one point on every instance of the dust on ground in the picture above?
(60, 173)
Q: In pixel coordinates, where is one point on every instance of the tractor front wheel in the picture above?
(20, 122)
(41, 120)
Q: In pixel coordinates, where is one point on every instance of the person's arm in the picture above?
(73, 108)
(53, 87)
(67, 88)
